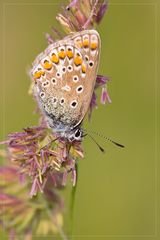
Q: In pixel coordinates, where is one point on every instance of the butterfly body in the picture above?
(64, 78)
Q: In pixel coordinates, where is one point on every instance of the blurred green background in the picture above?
(117, 193)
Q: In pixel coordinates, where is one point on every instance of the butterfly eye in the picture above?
(77, 134)
(74, 104)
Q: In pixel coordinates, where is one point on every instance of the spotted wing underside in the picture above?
(65, 76)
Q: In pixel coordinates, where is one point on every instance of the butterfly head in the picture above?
(72, 135)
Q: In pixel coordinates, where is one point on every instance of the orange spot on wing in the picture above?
(55, 58)
(85, 43)
(77, 60)
(62, 54)
(94, 45)
(83, 68)
(38, 74)
(69, 54)
(47, 65)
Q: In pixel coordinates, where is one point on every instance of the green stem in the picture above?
(73, 194)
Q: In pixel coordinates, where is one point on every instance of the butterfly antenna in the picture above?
(101, 149)
(108, 139)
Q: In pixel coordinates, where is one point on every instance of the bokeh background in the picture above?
(117, 193)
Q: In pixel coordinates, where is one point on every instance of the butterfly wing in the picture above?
(89, 43)
(65, 76)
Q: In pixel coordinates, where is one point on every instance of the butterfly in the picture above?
(64, 77)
